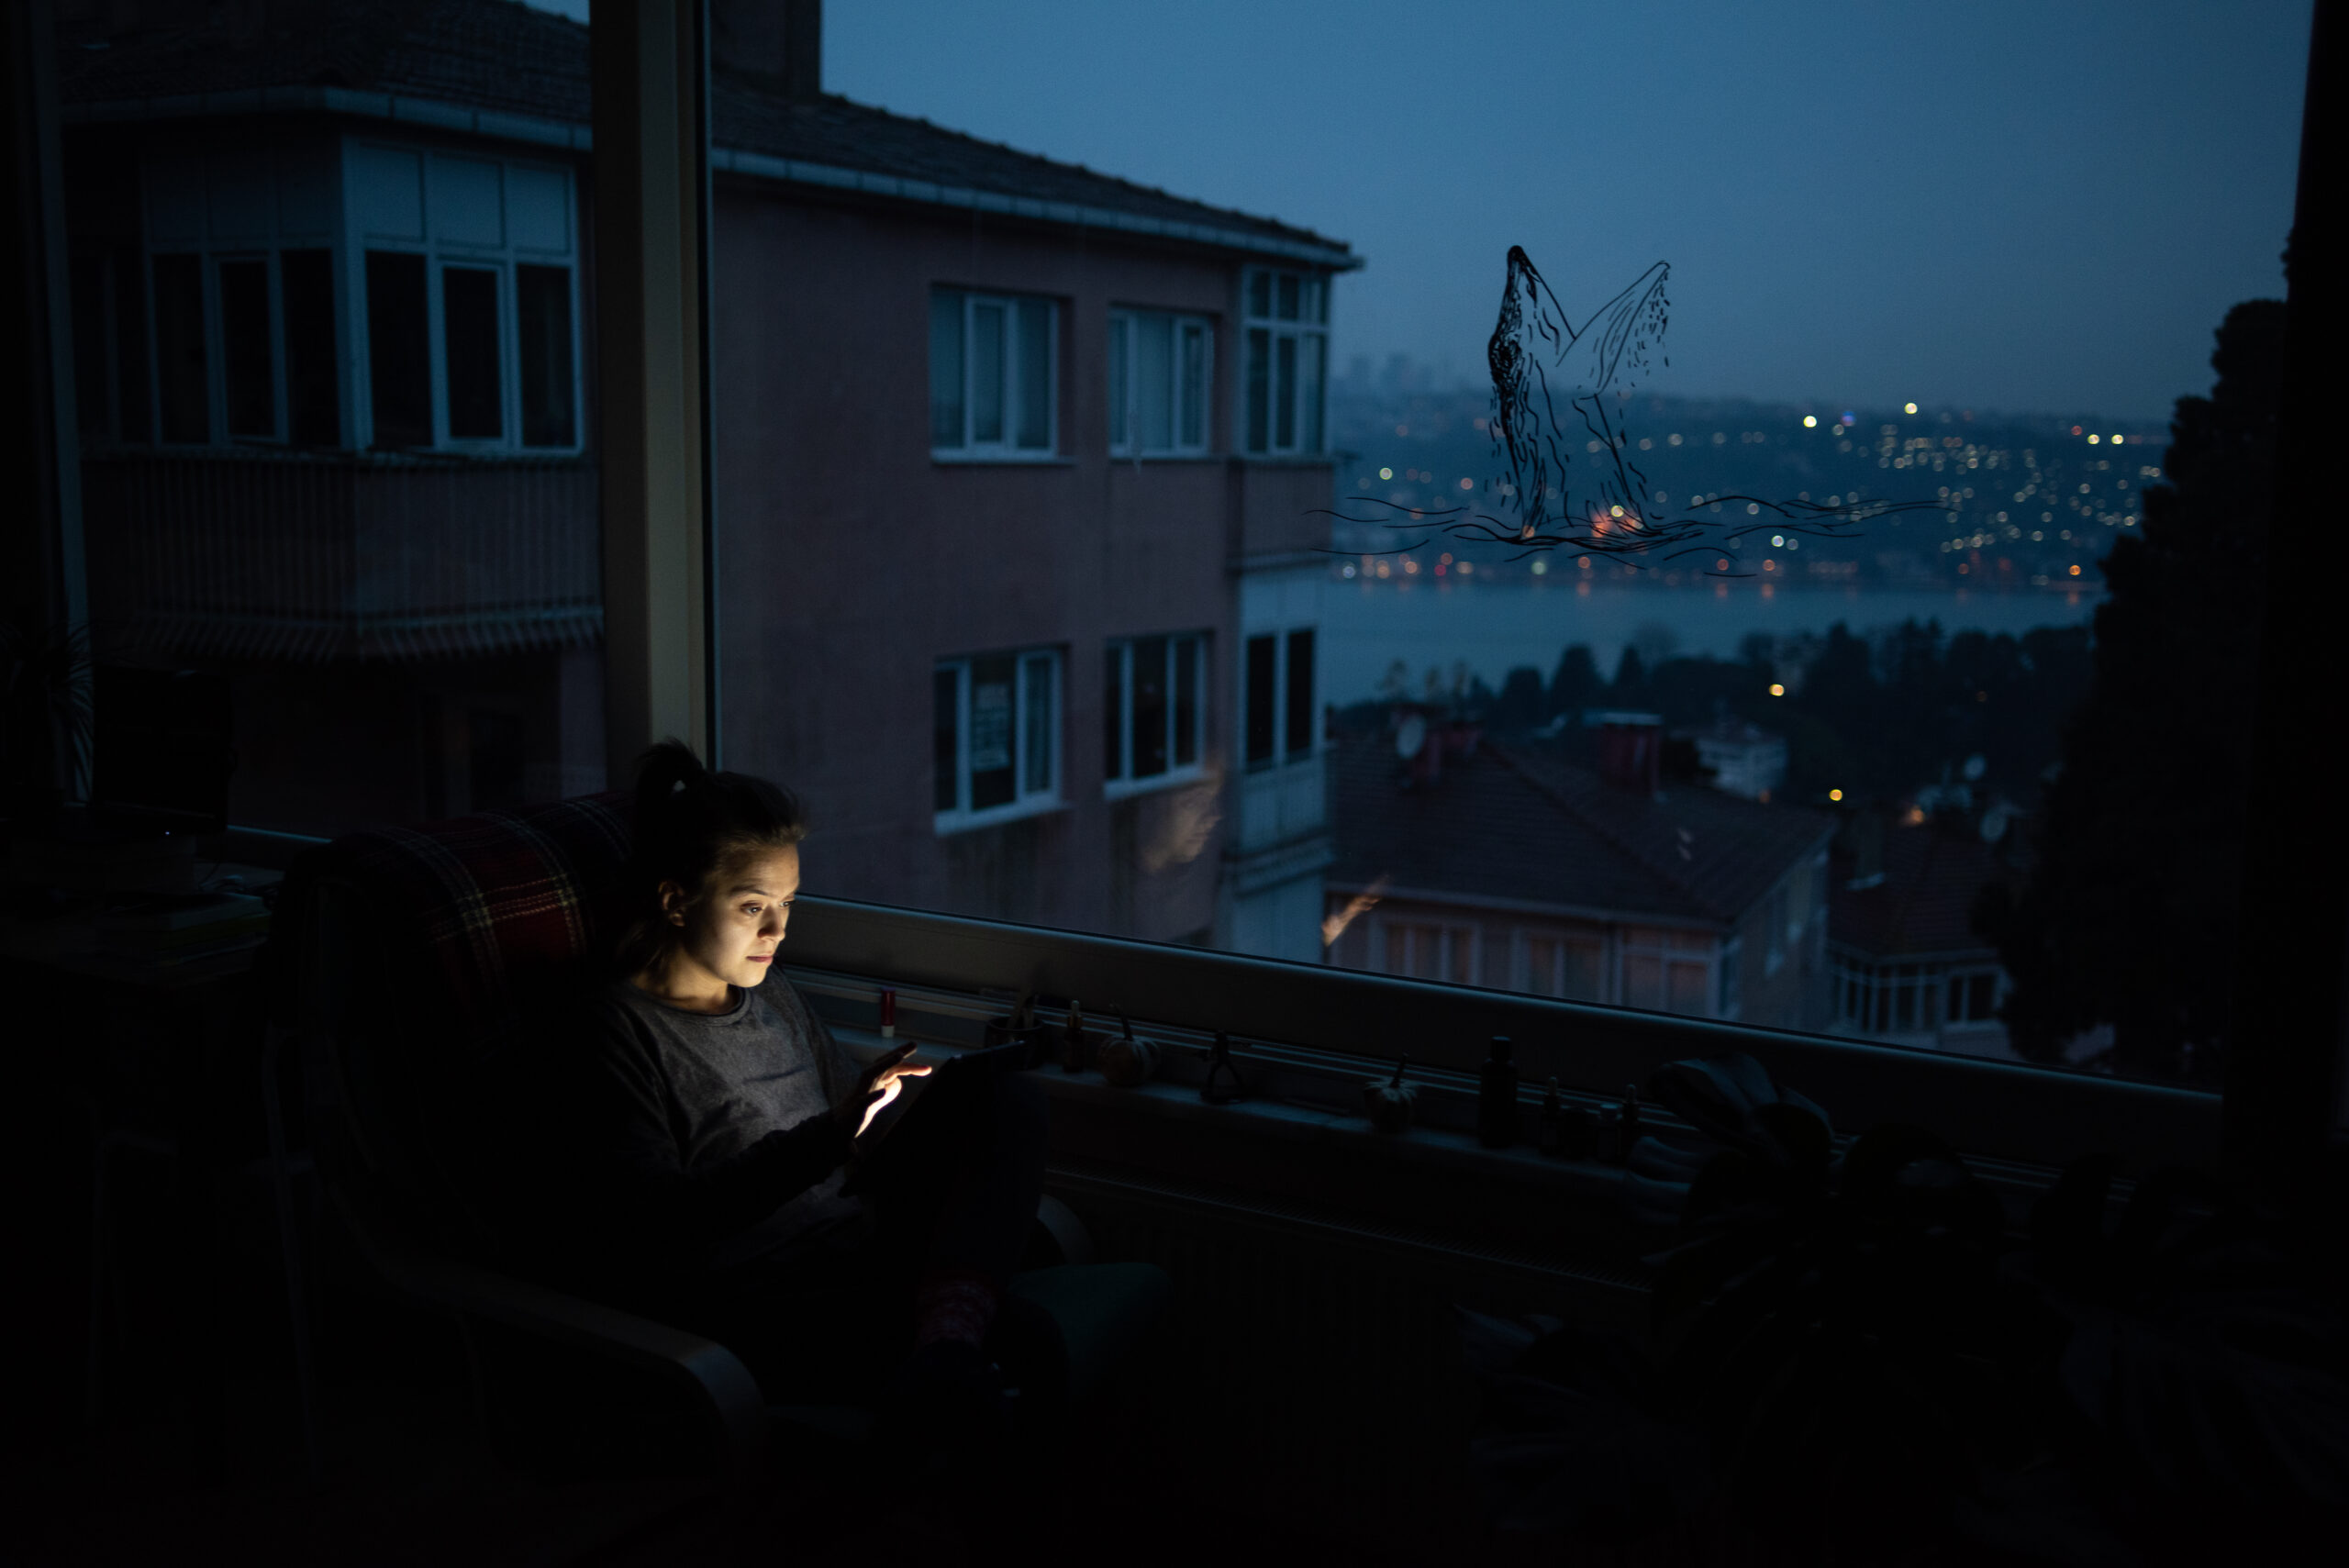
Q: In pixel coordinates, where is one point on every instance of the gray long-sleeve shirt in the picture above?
(710, 1135)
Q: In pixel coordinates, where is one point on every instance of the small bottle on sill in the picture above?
(1497, 1110)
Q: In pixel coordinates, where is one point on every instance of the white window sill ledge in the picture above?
(1126, 789)
(1001, 459)
(995, 817)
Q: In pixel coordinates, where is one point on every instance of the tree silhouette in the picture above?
(2130, 917)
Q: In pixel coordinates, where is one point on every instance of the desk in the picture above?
(139, 1109)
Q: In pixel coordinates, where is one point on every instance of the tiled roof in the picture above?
(1504, 825)
(497, 56)
(1925, 903)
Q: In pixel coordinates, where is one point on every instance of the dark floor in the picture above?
(408, 1481)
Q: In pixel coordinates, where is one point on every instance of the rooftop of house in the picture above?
(506, 59)
(1511, 825)
(1932, 872)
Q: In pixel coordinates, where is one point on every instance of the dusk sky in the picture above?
(2025, 206)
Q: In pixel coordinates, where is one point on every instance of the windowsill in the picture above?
(1126, 789)
(1117, 457)
(367, 457)
(1001, 459)
(1284, 460)
(950, 824)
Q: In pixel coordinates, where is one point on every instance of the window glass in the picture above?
(946, 708)
(469, 317)
(1039, 717)
(129, 326)
(399, 350)
(1154, 380)
(1260, 389)
(246, 358)
(92, 334)
(1194, 385)
(313, 394)
(994, 781)
(1035, 378)
(1151, 715)
(1264, 676)
(1122, 329)
(946, 377)
(180, 372)
(542, 309)
(1299, 729)
(1188, 657)
(1285, 393)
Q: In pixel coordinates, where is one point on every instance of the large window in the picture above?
(997, 729)
(470, 302)
(1285, 360)
(1153, 722)
(1159, 369)
(993, 360)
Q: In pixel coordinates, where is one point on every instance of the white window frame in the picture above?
(1125, 783)
(1008, 449)
(503, 260)
(1308, 329)
(1025, 802)
(209, 259)
(1124, 384)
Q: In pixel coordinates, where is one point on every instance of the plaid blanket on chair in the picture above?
(472, 905)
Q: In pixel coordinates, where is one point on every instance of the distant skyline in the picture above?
(2014, 207)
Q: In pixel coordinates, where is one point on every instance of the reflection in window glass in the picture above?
(987, 374)
(1149, 706)
(992, 779)
(1035, 379)
(1188, 657)
(1263, 676)
(1299, 734)
(946, 374)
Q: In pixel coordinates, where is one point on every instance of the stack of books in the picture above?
(180, 929)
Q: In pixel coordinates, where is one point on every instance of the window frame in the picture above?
(503, 260)
(1125, 783)
(1123, 320)
(1308, 329)
(1025, 802)
(1008, 450)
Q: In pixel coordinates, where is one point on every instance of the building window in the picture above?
(466, 269)
(1152, 719)
(1731, 1000)
(1668, 970)
(993, 389)
(1159, 365)
(1973, 998)
(1285, 352)
(1426, 950)
(1278, 699)
(1560, 965)
(996, 719)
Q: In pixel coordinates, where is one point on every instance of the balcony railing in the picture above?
(260, 555)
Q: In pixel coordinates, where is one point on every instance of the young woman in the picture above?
(719, 1123)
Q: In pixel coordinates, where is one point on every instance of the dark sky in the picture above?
(2042, 207)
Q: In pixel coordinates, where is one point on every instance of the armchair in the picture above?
(401, 958)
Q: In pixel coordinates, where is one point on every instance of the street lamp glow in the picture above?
(1810, 421)
(1907, 408)
(1777, 690)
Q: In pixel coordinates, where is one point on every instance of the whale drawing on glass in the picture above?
(1558, 387)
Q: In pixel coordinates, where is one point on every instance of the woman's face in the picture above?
(730, 934)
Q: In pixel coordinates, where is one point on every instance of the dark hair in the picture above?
(691, 824)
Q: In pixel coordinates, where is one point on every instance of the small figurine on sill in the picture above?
(1389, 1105)
(1126, 1061)
(1072, 1052)
(1553, 1122)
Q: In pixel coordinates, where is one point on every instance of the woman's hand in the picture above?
(881, 1084)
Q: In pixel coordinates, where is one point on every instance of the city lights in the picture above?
(1907, 408)
(1777, 690)
(1810, 421)
(1385, 474)
(1834, 795)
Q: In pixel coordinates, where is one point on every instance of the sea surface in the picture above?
(1492, 627)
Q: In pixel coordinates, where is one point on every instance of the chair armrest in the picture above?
(726, 1394)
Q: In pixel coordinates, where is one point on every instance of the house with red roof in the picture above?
(1464, 861)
